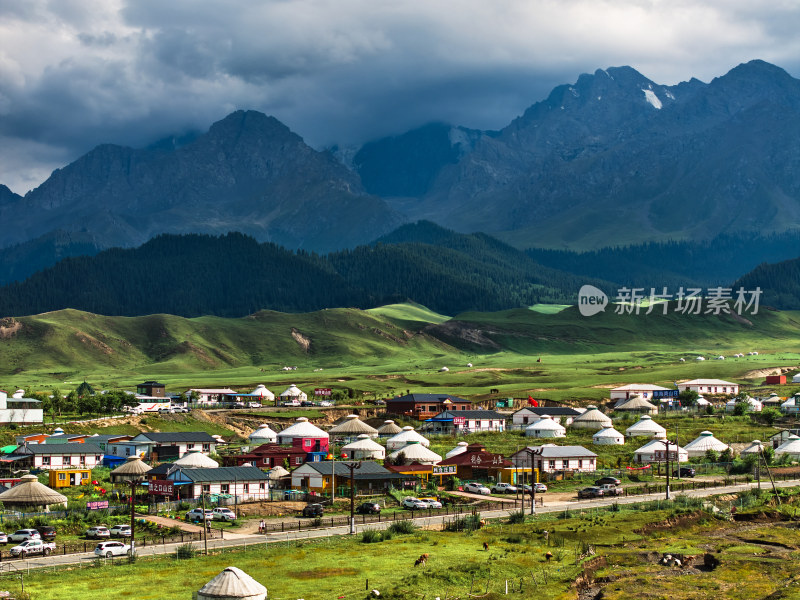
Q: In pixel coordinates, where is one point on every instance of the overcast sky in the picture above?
(77, 73)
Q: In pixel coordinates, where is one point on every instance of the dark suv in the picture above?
(684, 472)
(313, 510)
(607, 481)
(47, 533)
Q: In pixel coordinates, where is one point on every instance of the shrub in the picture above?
(516, 517)
(370, 536)
(514, 539)
(467, 523)
(185, 551)
(402, 527)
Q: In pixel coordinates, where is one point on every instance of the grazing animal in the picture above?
(548, 556)
(485, 546)
(421, 560)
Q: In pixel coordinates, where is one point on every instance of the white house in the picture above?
(465, 421)
(168, 445)
(56, 456)
(656, 451)
(550, 458)
(20, 410)
(209, 395)
(710, 386)
(626, 392)
(530, 414)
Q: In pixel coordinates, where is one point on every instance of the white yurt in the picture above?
(753, 405)
(415, 452)
(301, 429)
(756, 447)
(704, 442)
(232, 584)
(388, 429)
(646, 427)
(261, 390)
(637, 404)
(796, 378)
(351, 428)
(262, 435)
(700, 358)
(790, 447)
(607, 437)
(404, 437)
(790, 405)
(194, 459)
(460, 448)
(592, 419)
(364, 448)
(702, 402)
(656, 451)
(294, 393)
(545, 427)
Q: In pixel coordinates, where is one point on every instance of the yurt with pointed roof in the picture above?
(351, 428)
(133, 469)
(29, 493)
(415, 452)
(790, 448)
(608, 437)
(262, 435)
(404, 437)
(232, 584)
(262, 391)
(388, 429)
(460, 448)
(646, 427)
(302, 429)
(637, 405)
(703, 443)
(546, 427)
(756, 447)
(293, 393)
(364, 448)
(194, 459)
(656, 451)
(592, 419)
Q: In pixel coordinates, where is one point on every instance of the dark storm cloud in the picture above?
(76, 73)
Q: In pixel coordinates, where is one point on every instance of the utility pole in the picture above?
(205, 524)
(533, 452)
(666, 445)
(352, 466)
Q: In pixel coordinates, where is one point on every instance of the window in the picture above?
(552, 464)
(206, 488)
(62, 476)
(298, 460)
(45, 460)
(246, 487)
(127, 451)
(206, 447)
(82, 460)
(225, 488)
(190, 446)
(97, 458)
(261, 486)
(580, 463)
(66, 460)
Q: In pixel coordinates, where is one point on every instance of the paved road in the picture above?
(239, 540)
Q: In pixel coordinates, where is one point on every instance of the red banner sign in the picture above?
(459, 421)
(322, 391)
(161, 487)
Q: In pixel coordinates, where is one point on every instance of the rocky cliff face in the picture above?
(249, 173)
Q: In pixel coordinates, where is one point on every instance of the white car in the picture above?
(326, 403)
(196, 514)
(120, 531)
(24, 534)
(223, 514)
(504, 488)
(431, 502)
(33, 547)
(540, 487)
(414, 503)
(109, 549)
(254, 405)
(98, 531)
(477, 488)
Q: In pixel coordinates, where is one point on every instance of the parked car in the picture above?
(313, 510)
(611, 490)
(607, 480)
(414, 503)
(196, 514)
(109, 549)
(24, 534)
(98, 531)
(431, 502)
(326, 403)
(254, 405)
(33, 547)
(47, 533)
(3, 538)
(684, 472)
(120, 531)
(504, 488)
(166, 410)
(368, 508)
(223, 514)
(306, 403)
(477, 488)
(590, 492)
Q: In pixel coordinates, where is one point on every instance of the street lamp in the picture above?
(352, 466)
(331, 457)
(532, 452)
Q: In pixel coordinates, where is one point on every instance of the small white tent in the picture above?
(703, 443)
(545, 427)
(608, 436)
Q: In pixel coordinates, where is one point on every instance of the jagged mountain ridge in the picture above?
(248, 173)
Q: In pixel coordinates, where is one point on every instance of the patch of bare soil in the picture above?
(271, 509)
(761, 373)
(302, 340)
(9, 327)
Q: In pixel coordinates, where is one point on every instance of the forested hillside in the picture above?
(233, 276)
(779, 283)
